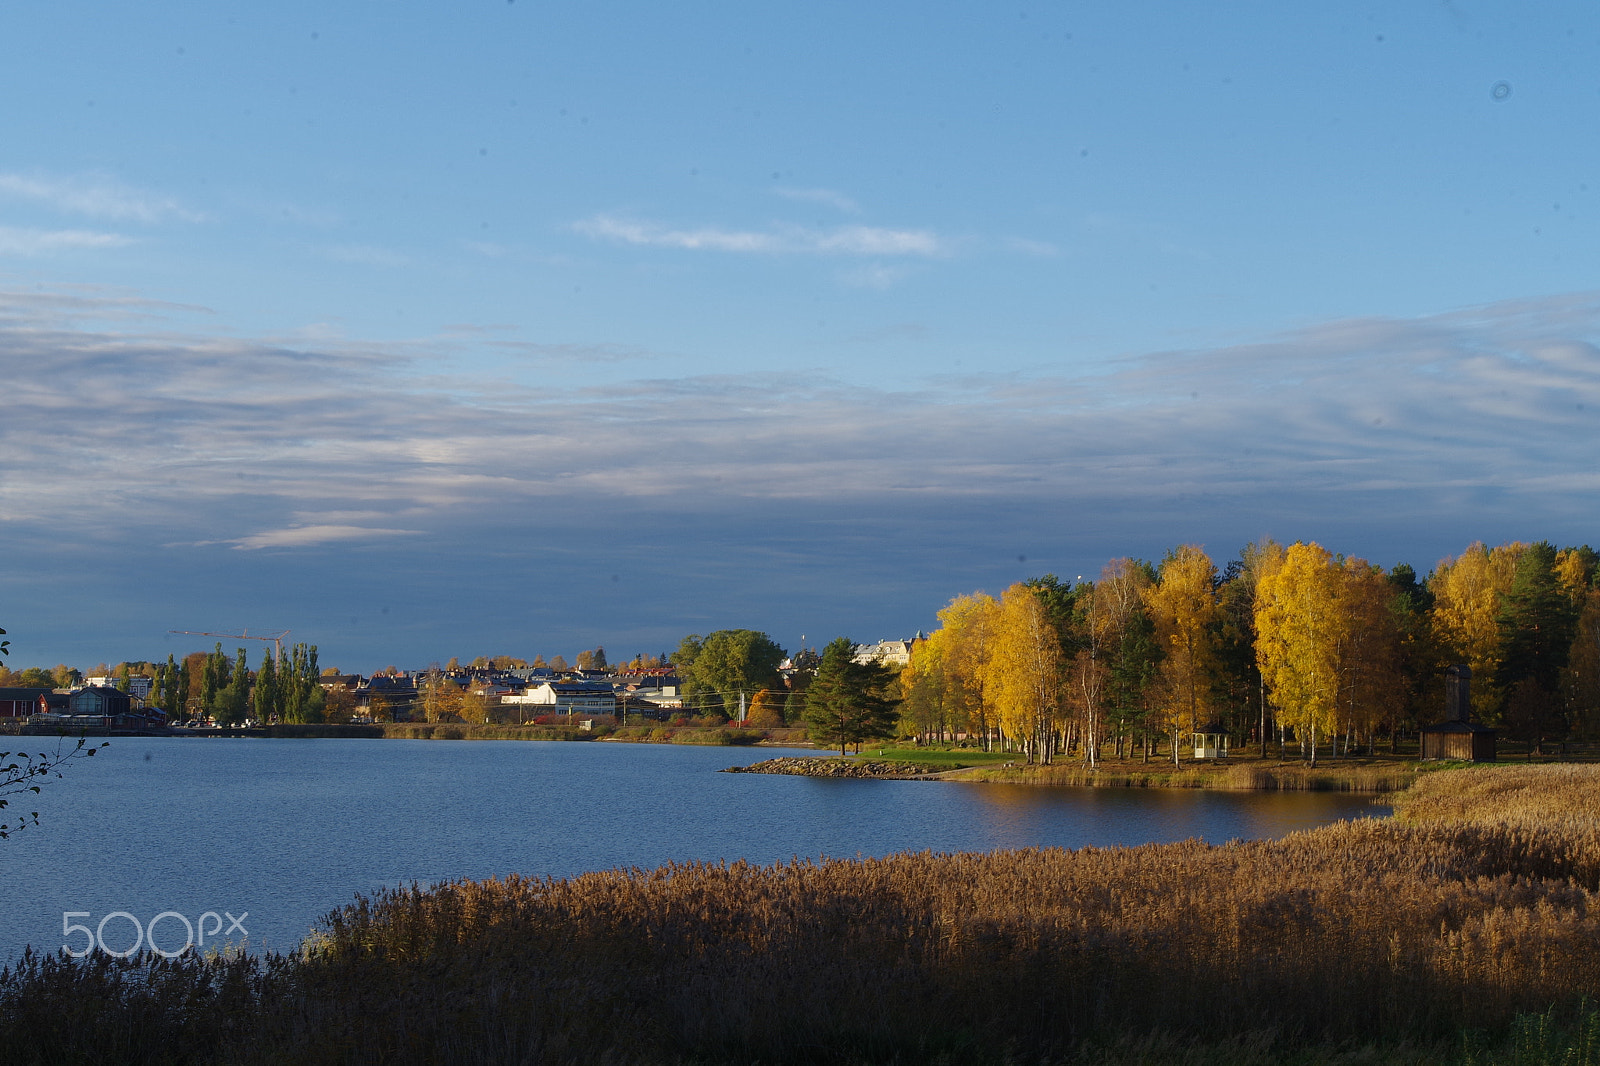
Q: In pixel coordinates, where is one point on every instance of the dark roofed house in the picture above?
(399, 695)
(99, 700)
(21, 702)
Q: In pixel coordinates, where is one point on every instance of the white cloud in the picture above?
(20, 241)
(97, 197)
(843, 240)
(312, 536)
(1465, 418)
(340, 476)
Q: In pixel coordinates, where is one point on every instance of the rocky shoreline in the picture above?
(817, 766)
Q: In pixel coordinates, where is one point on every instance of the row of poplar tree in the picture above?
(1286, 643)
(227, 691)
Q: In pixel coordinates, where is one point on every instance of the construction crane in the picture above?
(276, 638)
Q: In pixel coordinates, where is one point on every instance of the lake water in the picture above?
(288, 830)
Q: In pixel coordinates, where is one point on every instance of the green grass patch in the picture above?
(940, 758)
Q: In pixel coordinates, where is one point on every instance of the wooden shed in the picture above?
(1460, 737)
(1466, 741)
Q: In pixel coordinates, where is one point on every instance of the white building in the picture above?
(567, 697)
(886, 652)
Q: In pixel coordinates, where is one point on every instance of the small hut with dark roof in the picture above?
(1458, 737)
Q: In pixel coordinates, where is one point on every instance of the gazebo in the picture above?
(1211, 742)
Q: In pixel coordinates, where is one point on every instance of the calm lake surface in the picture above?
(288, 830)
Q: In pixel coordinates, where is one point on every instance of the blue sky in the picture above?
(426, 330)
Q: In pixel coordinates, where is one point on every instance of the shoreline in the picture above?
(1376, 775)
(1360, 776)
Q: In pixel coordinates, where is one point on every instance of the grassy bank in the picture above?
(1465, 930)
(939, 758)
(1377, 774)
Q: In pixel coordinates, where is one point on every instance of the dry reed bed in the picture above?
(1478, 903)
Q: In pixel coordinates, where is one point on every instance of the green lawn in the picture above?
(944, 758)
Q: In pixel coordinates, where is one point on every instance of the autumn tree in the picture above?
(766, 710)
(1372, 692)
(946, 669)
(338, 706)
(474, 706)
(1021, 673)
(441, 697)
(1183, 606)
(1299, 625)
(849, 702)
(1467, 592)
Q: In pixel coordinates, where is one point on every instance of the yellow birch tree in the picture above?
(1183, 605)
(1022, 673)
(943, 679)
(1299, 625)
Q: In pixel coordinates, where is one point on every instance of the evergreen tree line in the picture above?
(1285, 645)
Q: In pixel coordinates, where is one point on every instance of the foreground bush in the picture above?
(1473, 908)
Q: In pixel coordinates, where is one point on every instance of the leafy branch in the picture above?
(22, 772)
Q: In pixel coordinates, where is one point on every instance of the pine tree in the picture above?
(1536, 624)
(848, 702)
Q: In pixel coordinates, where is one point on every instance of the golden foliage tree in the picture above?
(1183, 605)
(1021, 674)
(441, 697)
(1299, 626)
(943, 682)
(1468, 591)
(766, 710)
